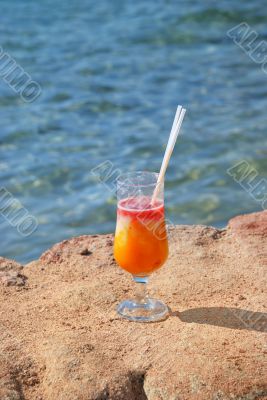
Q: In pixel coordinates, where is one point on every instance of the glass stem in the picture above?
(141, 288)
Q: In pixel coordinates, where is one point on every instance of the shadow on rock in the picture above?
(234, 318)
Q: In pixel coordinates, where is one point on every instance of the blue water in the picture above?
(112, 74)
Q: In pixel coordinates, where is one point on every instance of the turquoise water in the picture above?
(112, 74)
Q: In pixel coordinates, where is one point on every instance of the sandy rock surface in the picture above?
(61, 339)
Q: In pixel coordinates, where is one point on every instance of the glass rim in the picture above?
(122, 179)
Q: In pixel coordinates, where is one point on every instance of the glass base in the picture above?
(149, 311)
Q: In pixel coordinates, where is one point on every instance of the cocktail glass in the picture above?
(141, 243)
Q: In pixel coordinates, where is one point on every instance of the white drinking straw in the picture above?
(176, 126)
(177, 115)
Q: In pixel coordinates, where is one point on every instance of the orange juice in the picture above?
(141, 244)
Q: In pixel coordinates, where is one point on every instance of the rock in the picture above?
(9, 386)
(85, 252)
(250, 224)
(62, 339)
(249, 229)
(10, 273)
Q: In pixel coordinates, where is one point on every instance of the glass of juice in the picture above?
(141, 243)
